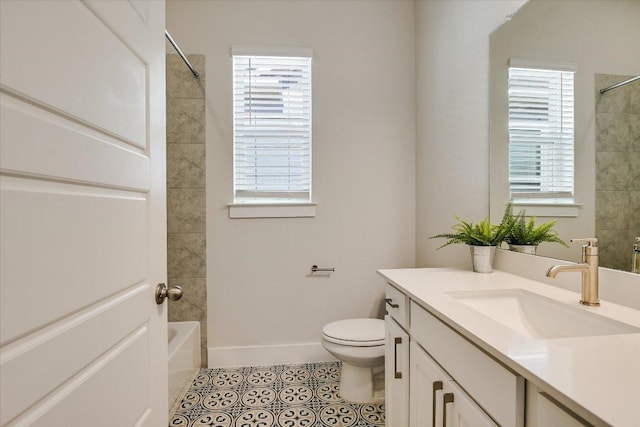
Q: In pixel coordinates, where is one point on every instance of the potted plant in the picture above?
(482, 239)
(523, 235)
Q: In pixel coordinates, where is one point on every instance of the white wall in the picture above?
(260, 292)
(452, 147)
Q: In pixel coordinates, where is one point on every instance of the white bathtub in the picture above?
(184, 358)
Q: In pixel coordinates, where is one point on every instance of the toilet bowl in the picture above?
(359, 344)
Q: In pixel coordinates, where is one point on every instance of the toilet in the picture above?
(359, 344)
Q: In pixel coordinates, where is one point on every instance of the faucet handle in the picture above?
(590, 247)
(589, 241)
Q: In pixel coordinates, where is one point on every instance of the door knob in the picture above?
(174, 293)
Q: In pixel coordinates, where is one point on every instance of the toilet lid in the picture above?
(356, 332)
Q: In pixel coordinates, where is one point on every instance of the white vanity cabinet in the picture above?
(500, 392)
(485, 364)
(396, 359)
(445, 380)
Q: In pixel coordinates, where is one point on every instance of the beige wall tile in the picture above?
(185, 120)
(180, 81)
(634, 132)
(186, 210)
(634, 97)
(612, 171)
(186, 255)
(615, 249)
(634, 213)
(612, 210)
(613, 101)
(612, 131)
(634, 171)
(186, 192)
(186, 166)
(617, 168)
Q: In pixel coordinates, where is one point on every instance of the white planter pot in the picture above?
(482, 257)
(525, 249)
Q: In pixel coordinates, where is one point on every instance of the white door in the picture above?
(82, 213)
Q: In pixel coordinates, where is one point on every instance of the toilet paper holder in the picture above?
(315, 269)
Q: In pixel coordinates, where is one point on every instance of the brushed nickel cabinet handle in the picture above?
(446, 398)
(437, 385)
(390, 302)
(397, 340)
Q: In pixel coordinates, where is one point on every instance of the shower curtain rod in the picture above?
(184, 58)
(626, 82)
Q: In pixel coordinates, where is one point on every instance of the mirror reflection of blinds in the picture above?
(272, 128)
(541, 133)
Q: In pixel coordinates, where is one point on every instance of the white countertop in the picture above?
(597, 377)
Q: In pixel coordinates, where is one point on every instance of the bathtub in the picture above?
(184, 358)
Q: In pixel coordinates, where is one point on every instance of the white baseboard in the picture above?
(225, 357)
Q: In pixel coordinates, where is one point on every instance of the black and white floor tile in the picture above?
(306, 395)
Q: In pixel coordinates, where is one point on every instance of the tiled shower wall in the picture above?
(186, 245)
(617, 170)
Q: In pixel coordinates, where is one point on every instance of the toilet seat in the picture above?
(355, 332)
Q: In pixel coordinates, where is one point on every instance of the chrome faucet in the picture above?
(589, 269)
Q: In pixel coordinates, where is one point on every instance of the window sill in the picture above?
(548, 208)
(272, 210)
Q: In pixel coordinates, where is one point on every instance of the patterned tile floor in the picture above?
(304, 395)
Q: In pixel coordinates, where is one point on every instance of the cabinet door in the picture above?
(396, 374)
(436, 400)
(542, 411)
(461, 411)
(426, 389)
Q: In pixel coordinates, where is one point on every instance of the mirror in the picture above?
(599, 39)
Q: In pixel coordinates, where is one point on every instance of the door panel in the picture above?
(27, 132)
(130, 26)
(82, 213)
(82, 399)
(463, 411)
(29, 362)
(425, 397)
(88, 243)
(70, 61)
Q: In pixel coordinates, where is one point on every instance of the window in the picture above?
(541, 134)
(271, 128)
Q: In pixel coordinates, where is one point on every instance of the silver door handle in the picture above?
(174, 293)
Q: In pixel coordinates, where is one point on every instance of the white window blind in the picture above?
(272, 128)
(541, 133)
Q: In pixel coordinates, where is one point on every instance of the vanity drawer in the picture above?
(397, 305)
(497, 390)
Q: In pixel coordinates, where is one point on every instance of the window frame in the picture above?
(276, 203)
(555, 194)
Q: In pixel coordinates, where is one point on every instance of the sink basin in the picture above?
(539, 317)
